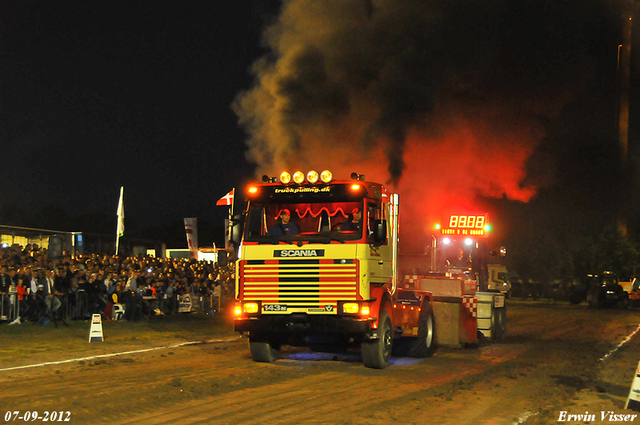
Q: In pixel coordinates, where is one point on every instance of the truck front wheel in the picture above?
(377, 353)
(263, 350)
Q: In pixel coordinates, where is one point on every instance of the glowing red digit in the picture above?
(480, 222)
(471, 221)
(453, 221)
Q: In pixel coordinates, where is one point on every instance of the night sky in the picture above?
(504, 106)
(102, 94)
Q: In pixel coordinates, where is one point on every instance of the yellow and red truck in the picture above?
(318, 265)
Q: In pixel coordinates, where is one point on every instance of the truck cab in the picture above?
(498, 280)
(317, 263)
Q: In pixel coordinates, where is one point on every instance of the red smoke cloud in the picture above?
(451, 167)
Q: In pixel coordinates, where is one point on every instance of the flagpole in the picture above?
(233, 201)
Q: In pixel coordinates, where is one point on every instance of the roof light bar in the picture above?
(312, 176)
(298, 177)
(326, 176)
(285, 178)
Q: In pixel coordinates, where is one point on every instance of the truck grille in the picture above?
(299, 285)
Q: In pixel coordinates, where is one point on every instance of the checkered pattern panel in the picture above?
(471, 306)
(412, 278)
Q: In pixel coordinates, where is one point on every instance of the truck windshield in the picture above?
(320, 222)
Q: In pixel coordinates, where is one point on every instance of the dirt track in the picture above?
(548, 363)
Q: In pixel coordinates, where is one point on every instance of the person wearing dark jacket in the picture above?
(284, 226)
(354, 222)
(5, 286)
(132, 304)
(52, 299)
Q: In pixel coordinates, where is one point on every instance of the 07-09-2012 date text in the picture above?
(34, 415)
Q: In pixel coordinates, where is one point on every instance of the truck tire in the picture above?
(593, 298)
(624, 301)
(377, 353)
(575, 297)
(498, 324)
(262, 350)
(503, 322)
(425, 344)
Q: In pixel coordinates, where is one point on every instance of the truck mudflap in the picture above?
(304, 324)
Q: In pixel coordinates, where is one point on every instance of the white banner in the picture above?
(120, 213)
(184, 303)
(191, 228)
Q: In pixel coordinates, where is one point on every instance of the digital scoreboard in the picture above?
(465, 225)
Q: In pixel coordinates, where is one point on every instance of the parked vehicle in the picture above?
(605, 290)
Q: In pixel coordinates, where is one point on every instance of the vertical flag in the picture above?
(191, 228)
(227, 199)
(120, 213)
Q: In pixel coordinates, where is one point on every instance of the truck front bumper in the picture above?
(304, 324)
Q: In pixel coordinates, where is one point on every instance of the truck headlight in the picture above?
(351, 308)
(250, 307)
(356, 308)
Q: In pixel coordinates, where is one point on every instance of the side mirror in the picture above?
(237, 222)
(380, 232)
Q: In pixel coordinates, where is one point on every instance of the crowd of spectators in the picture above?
(54, 288)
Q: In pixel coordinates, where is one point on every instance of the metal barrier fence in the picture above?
(9, 306)
(79, 306)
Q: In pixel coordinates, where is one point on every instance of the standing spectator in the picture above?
(5, 286)
(81, 279)
(169, 292)
(61, 286)
(159, 290)
(62, 281)
(96, 292)
(109, 281)
(23, 299)
(51, 295)
(40, 301)
(22, 294)
(29, 274)
(215, 296)
(13, 299)
(133, 280)
(72, 294)
(33, 280)
(132, 304)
